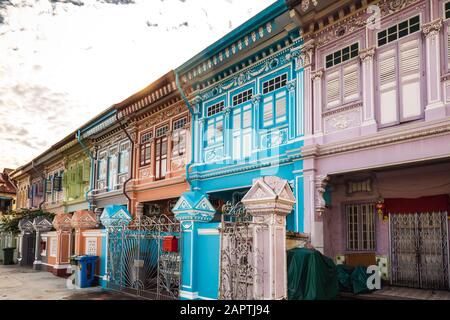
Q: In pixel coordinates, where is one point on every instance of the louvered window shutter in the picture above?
(351, 77)
(388, 86)
(410, 78)
(333, 89)
(86, 170)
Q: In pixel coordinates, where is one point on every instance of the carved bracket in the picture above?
(320, 184)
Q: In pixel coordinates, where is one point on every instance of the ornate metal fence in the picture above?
(137, 262)
(419, 250)
(241, 267)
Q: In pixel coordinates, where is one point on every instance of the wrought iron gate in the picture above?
(241, 267)
(137, 262)
(419, 250)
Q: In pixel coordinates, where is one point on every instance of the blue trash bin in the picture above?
(85, 271)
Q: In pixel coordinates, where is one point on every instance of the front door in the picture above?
(419, 250)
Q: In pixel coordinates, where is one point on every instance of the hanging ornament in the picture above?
(380, 206)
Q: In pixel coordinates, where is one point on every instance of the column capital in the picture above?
(256, 99)
(317, 75)
(367, 54)
(227, 111)
(432, 28)
(291, 85)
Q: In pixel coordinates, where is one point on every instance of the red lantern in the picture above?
(380, 206)
(170, 244)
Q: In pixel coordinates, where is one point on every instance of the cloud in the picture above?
(65, 61)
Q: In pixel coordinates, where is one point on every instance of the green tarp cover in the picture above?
(359, 280)
(311, 275)
(352, 279)
(345, 280)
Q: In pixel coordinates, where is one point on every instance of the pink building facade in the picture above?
(377, 135)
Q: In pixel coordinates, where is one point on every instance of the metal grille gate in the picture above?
(137, 263)
(241, 260)
(419, 250)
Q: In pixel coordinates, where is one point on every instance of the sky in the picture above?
(62, 62)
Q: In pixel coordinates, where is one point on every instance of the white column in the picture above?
(435, 108)
(317, 107)
(368, 125)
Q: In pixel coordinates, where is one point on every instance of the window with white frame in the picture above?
(53, 247)
(342, 76)
(360, 227)
(274, 107)
(242, 124)
(179, 137)
(214, 124)
(398, 31)
(161, 152)
(124, 157)
(146, 149)
(102, 166)
(113, 168)
(447, 10)
(399, 73)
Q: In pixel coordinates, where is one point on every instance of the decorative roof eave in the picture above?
(149, 110)
(223, 48)
(154, 112)
(152, 98)
(103, 125)
(248, 61)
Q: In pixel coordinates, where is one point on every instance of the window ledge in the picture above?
(342, 108)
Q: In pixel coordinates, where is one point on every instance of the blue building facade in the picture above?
(245, 94)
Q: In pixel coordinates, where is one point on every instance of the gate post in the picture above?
(113, 217)
(40, 224)
(192, 209)
(61, 222)
(26, 231)
(269, 201)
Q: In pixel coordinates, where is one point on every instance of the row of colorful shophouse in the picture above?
(326, 122)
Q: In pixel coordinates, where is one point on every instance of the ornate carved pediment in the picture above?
(62, 221)
(84, 219)
(42, 224)
(193, 206)
(115, 215)
(26, 226)
(269, 195)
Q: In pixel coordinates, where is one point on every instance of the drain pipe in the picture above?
(91, 173)
(124, 187)
(183, 96)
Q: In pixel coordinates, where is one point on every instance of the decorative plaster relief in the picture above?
(342, 121)
(178, 164)
(432, 29)
(274, 138)
(144, 173)
(214, 153)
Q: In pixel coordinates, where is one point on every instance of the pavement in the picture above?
(24, 283)
(399, 293)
